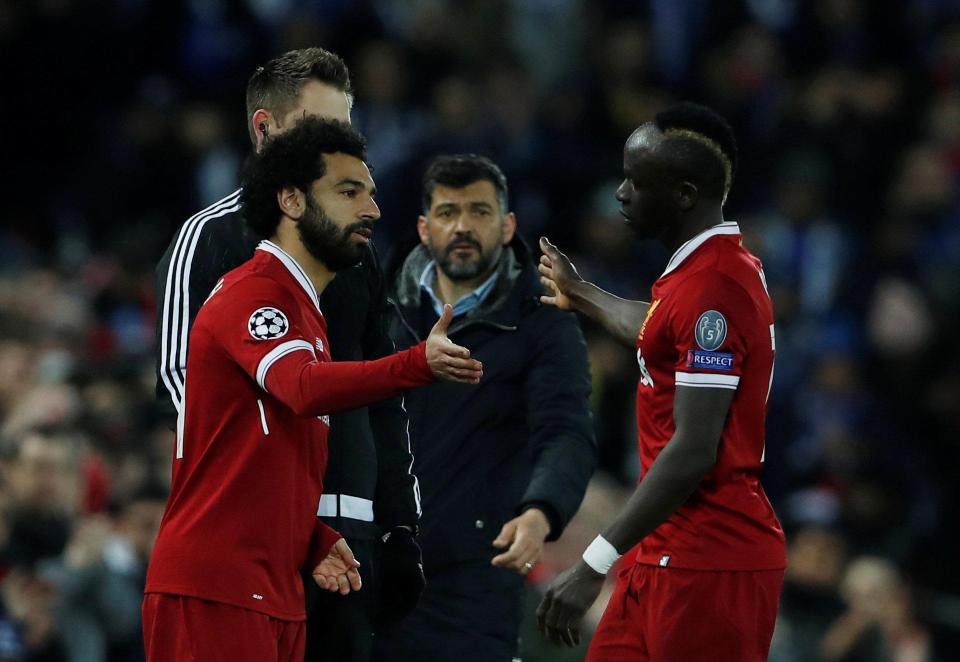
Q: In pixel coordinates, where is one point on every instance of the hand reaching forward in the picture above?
(522, 541)
(558, 275)
(448, 361)
(338, 571)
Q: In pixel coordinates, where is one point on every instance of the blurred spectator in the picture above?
(810, 601)
(44, 497)
(99, 581)
(879, 622)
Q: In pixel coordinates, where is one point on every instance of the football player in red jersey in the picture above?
(707, 553)
(223, 581)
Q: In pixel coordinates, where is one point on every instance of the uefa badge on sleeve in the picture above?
(268, 324)
(711, 330)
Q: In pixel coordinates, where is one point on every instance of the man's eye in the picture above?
(445, 213)
(349, 194)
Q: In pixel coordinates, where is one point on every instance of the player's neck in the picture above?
(316, 271)
(694, 224)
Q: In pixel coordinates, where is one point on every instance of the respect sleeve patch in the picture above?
(710, 360)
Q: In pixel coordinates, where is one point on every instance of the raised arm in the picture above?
(567, 290)
(314, 388)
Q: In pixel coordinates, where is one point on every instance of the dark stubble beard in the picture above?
(458, 270)
(326, 241)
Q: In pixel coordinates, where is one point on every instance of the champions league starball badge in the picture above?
(268, 324)
(711, 330)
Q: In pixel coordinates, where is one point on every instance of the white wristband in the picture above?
(600, 555)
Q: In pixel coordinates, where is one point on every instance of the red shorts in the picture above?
(179, 628)
(675, 615)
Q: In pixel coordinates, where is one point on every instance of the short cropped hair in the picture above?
(292, 158)
(276, 85)
(700, 129)
(460, 170)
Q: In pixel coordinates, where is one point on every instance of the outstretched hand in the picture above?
(448, 361)
(558, 275)
(338, 571)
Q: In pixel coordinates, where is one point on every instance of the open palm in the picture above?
(338, 571)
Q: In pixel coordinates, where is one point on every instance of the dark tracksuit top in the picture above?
(368, 486)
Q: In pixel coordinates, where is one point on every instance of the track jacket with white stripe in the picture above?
(368, 486)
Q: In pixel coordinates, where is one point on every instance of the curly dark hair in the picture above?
(459, 170)
(276, 85)
(292, 158)
(705, 146)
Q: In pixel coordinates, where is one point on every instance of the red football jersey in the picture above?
(710, 325)
(251, 448)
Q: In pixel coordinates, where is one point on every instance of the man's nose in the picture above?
(461, 224)
(372, 212)
(621, 193)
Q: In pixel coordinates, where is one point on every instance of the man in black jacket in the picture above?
(503, 466)
(369, 491)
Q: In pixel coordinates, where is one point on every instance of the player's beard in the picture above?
(458, 269)
(327, 241)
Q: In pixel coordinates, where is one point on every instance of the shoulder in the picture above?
(221, 219)
(712, 292)
(247, 288)
(223, 214)
(224, 206)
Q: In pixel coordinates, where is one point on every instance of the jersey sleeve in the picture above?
(712, 326)
(260, 328)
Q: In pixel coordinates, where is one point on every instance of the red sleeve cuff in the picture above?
(418, 362)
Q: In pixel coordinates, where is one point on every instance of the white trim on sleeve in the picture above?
(263, 418)
(705, 380)
(278, 353)
(350, 506)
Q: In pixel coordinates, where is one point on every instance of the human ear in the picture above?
(422, 230)
(292, 202)
(686, 196)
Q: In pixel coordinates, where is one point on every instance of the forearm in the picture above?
(319, 388)
(671, 480)
(560, 477)
(620, 317)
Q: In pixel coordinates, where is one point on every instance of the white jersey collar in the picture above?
(687, 249)
(293, 267)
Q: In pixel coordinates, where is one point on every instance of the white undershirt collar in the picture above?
(293, 267)
(687, 249)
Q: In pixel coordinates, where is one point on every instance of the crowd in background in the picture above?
(122, 117)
